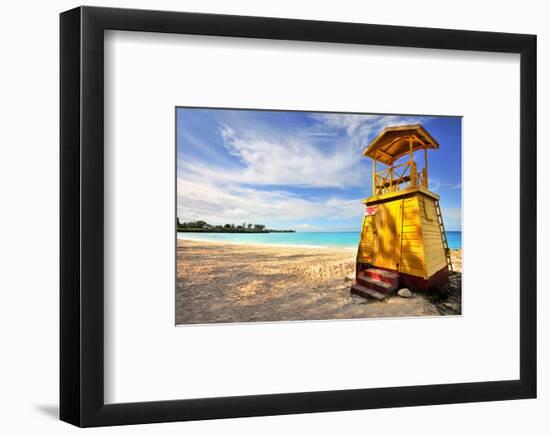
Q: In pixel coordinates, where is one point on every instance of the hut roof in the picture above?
(393, 142)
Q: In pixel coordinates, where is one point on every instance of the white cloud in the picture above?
(452, 217)
(362, 129)
(231, 203)
(437, 184)
(307, 227)
(290, 161)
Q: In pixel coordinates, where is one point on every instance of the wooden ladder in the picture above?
(443, 235)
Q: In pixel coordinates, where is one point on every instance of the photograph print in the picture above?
(302, 216)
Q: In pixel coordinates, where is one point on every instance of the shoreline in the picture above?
(244, 243)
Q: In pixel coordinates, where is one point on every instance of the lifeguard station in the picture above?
(403, 240)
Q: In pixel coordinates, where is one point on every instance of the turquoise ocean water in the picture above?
(313, 239)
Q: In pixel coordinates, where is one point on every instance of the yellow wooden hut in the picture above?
(403, 240)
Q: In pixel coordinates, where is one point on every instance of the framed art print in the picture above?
(266, 216)
(321, 251)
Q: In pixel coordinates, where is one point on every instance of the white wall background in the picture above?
(29, 218)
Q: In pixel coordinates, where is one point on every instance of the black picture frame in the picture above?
(82, 211)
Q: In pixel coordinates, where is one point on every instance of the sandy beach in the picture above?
(223, 283)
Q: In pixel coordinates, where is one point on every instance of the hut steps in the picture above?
(363, 291)
(375, 283)
(381, 276)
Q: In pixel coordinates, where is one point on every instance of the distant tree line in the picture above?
(202, 226)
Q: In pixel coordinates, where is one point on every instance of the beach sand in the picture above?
(225, 283)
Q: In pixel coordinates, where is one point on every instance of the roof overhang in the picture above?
(394, 142)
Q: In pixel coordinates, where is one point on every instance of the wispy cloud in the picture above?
(232, 203)
(289, 161)
(307, 227)
(452, 218)
(363, 128)
(436, 184)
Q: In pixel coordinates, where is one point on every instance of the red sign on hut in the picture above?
(370, 210)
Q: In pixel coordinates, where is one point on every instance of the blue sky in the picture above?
(296, 170)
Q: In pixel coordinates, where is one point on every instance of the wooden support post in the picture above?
(374, 177)
(425, 180)
(412, 168)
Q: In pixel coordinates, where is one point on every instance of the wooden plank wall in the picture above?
(366, 245)
(412, 248)
(433, 244)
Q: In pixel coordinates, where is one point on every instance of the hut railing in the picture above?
(399, 177)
